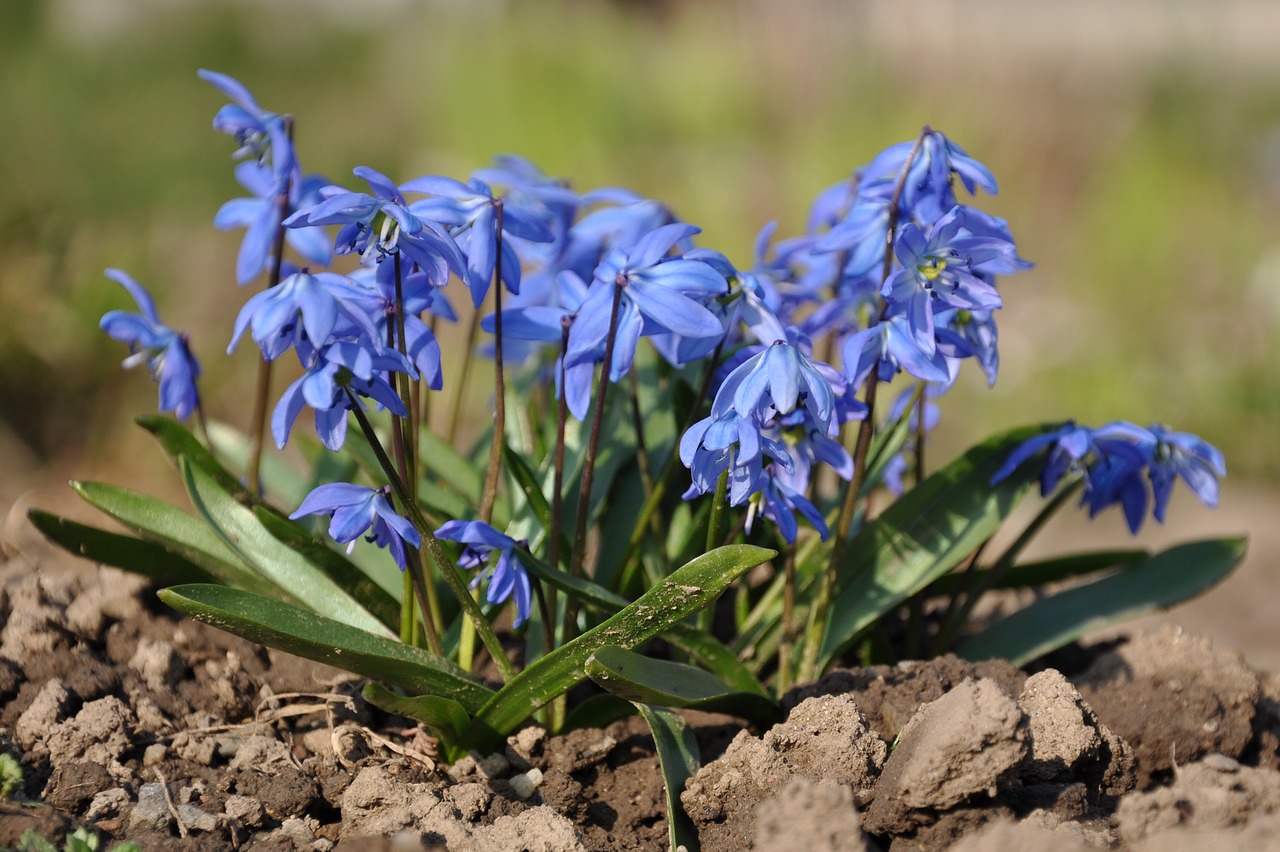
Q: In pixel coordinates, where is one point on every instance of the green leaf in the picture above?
(1168, 578)
(442, 462)
(177, 441)
(1032, 574)
(680, 759)
(306, 634)
(924, 534)
(584, 590)
(445, 715)
(288, 569)
(120, 551)
(712, 653)
(642, 680)
(344, 573)
(686, 591)
(176, 531)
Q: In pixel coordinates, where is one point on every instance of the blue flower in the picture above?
(1067, 447)
(779, 502)
(890, 346)
(470, 211)
(1199, 463)
(318, 299)
(261, 217)
(941, 271)
(262, 135)
(164, 350)
(659, 296)
(378, 225)
(927, 193)
(507, 577)
(356, 510)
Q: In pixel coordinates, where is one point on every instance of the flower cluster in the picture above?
(893, 274)
(1125, 464)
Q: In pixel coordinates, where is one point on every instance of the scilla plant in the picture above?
(664, 421)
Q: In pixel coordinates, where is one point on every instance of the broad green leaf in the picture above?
(923, 535)
(1168, 578)
(712, 653)
(686, 591)
(442, 462)
(447, 716)
(288, 569)
(121, 551)
(177, 532)
(335, 566)
(642, 680)
(1032, 574)
(680, 759)
(306, 634)
(884, 447)
(176, 441)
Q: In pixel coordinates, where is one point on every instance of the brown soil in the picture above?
(153, 728)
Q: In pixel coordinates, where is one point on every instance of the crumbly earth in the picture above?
(148, 727)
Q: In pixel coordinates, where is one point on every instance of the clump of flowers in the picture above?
(678, 420)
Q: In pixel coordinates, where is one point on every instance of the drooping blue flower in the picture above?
(779, 502)
(470, 211)
(359, 510)
(261, 134)
(379, 225)
(889, 346)
(1068, 446)
(507, 577)
(331, 370)
(261, 216)
(779, 377)
(304, 302)
(163, 350)
(1181, 454)
(926, 192)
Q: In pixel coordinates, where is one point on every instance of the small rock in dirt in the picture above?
(816, 816)
(1201, 797)
(99, 733)
(107, 804)
(471, 800)
(196, 819)
(158, 663)
(492, 767)
(285, 792)
(825, 738)
(85, 616)
(155, 754)
(526, 746)
(302, 831)
(539, 829)
(967, 743)
(264, 754)
(464, 766)
(150, 716)
(49, 708)
(197, 748)
(151, 812)
(524, 784)
(1068, 742)
(36, 622)
(72, 785)
(245, 810)
(1205, 699)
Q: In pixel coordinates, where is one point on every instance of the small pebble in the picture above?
(525, 783)
(155, 754)
(493, 766)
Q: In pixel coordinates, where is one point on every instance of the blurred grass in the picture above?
(1138, 194)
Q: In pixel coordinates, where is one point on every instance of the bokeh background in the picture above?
(1137, 146)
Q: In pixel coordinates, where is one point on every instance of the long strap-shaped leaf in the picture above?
(120, 551)
(679, 757)
(924, 535)
(306, 634)
(244, 533)
(176, 531)
(685, 591)
(1169, 577)
(640, 679)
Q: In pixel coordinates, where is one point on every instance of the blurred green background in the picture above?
(1137, 147)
